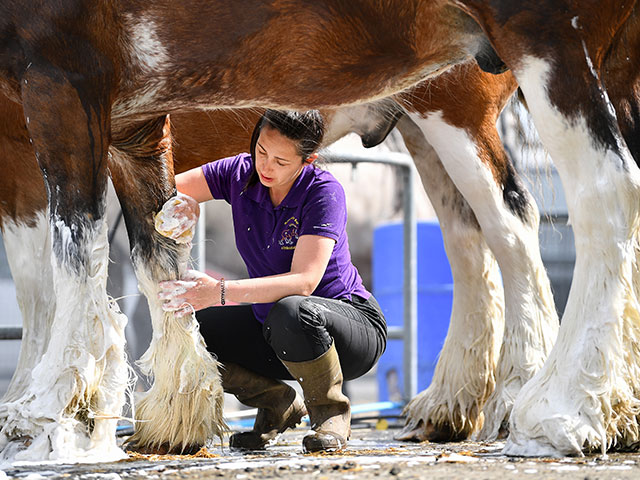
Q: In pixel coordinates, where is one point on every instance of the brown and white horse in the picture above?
(92, 75)
(450, 408)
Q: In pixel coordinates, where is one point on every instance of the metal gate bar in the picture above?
(409, 331)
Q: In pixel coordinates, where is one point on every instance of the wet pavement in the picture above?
(372, 453)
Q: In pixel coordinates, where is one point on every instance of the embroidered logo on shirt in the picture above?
(289, 236)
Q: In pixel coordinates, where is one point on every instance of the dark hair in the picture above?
(306, 129)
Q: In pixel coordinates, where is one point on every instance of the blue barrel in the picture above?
(435, 296)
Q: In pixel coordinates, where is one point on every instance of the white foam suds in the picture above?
(178, 218)
(82, 375)
(29, 255)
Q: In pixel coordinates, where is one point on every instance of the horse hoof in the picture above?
(421, 433)
(162, 449)
(412, 434)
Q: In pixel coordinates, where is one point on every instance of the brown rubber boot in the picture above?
(329, 409)
(279, 406)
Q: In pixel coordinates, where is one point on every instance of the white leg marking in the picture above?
(586, 393)
(464, 375)
(531, 322)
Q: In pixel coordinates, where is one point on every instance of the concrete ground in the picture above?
(372, 453)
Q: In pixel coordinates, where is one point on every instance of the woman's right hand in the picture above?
(178, 218)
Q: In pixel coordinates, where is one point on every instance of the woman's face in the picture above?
(277, 161)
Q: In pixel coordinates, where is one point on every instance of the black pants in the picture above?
(297, 329)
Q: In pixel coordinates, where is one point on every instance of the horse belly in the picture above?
(316, 54)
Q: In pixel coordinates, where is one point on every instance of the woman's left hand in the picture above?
(193, 292)
(178, 218)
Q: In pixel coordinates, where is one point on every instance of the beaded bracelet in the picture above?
(222, 291)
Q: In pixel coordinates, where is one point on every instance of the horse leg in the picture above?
(183, 408)
(621, 77)
(28, 250)
(450, 408)
(471, 151)
(586, 394)
(508, 217)
(71, 407)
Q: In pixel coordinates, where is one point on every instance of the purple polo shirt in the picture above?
(266, 236)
